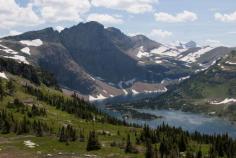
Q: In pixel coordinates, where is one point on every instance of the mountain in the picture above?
(102, 63)
(211, 91)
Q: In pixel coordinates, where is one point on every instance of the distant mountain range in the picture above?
(212, 91)
(102, 63)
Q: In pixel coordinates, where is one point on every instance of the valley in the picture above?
(139, 96)
(117, 79)
(38, 120)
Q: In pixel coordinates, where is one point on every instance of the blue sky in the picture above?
(204, 21)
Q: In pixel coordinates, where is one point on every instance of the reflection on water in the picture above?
(188, 121)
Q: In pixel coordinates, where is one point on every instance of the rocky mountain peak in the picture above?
(191, 44)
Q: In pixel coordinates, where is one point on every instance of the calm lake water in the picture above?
(188, 121)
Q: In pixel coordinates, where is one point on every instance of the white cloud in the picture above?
(226, 17)
(11, 15)
(62, 10)
(105, 18)
(212, 42)
(131, 6)
(185, 16)
(160, 33)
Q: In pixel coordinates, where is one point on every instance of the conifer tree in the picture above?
(93, 143)
(182, 144)
(2, 91)
(149, 149)
(163, 148)
(81, 136)
(62, 135)
(5, 127)
(199, 153)
(155, 152)
(212, 152)
(11, 87)
(129, 147)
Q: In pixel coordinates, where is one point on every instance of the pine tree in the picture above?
(199, 153)
(212, 152)
(81, 136)
(5, 127)
(39, 130)
(163, 148)
(149, 150)
(11, 87)
(155, 152)
(182, 144)
(62, 135)
(93, 143)
(2, 91)
(129, 147)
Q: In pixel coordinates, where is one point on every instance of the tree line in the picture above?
(74, 105)
(174, 141)
(29, 72)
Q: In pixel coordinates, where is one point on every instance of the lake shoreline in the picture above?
(201, 122)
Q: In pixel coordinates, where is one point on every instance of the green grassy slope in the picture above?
(56, 118)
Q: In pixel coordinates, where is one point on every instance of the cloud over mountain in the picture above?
(185, 16)
(105, 18)
(131, 6)
(226, 17)
(11, 14)
(160, 33)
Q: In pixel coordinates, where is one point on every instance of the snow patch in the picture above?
(213, 63)
(192, 57)
(134, 92)
(142, 53)
(184, 78)
(25, 50)
(3, 75)
(212, 113)
(18, 58)
(141, 62)
(7, 50)
(92, 78)
(158, 62)
(230, 63)
(34, 43)
(104, 91)
(226, 101)
(166, 51)
(30, 144)
(97, 98)
(163, 90)
(125, 91)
